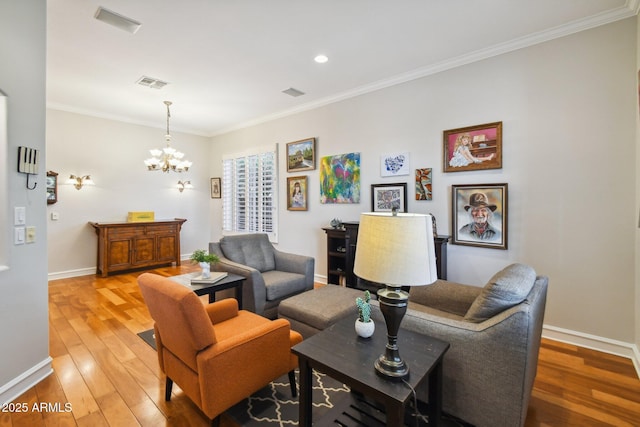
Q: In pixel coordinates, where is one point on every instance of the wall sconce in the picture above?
(184, 184)
(79, 181)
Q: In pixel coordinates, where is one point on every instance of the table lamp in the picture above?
(395, 249)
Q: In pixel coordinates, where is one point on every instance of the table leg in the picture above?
(395, 414)
(435, 395)
(306, 398)
(212, 297)
(239, 294)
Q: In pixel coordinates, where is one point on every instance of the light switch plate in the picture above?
(19, 215)
(18, 237)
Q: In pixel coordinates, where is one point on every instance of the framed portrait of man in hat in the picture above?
(479, 215)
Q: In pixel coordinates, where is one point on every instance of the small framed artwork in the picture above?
(423, 184)
(216, 188)
(52, 187)
(387, 197)
(479, 215)
(297, 193)
(301, 155)
(394, 164)
(473, 148)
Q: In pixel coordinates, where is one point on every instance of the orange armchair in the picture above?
(217, 354)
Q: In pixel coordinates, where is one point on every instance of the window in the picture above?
(249, 199)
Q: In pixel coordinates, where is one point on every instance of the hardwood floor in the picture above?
(107, 376)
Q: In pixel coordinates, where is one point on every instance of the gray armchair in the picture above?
(494, 334)
(271, 275)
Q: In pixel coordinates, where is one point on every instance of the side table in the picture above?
(340, 353)
(231, 281)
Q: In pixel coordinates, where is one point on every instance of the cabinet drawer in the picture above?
(155, 230)
(117, 233)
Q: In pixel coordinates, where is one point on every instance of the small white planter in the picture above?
(206, 270)
(365, 330)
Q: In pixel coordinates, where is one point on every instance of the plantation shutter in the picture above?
(249, 197)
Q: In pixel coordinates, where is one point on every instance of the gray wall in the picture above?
(24, 330)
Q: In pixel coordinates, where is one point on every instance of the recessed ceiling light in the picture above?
(321, 59)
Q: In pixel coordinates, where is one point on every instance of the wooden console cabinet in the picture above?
(341, 253)
(124, 246)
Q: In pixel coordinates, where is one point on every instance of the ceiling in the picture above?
(227, 62)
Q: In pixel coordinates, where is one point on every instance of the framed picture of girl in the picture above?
(473, 148)
(297, 193)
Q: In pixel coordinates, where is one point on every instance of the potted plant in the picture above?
(204, 259)
(364, 324)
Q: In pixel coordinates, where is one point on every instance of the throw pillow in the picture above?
(508, 287)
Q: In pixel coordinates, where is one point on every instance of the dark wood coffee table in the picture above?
(231, 281)
(340, 353)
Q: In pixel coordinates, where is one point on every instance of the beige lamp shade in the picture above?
(396, 250)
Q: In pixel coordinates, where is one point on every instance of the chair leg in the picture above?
(292, 383)
(215, 422)
(167, 389)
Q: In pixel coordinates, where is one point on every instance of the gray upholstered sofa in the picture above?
(494, 334)
(271, 275)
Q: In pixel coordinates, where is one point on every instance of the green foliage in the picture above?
(364, 308)
(200, 255)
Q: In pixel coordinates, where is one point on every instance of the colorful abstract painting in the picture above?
(423, 184)
(340, 178)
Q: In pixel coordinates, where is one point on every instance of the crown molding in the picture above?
(124, 119)
(628, 10)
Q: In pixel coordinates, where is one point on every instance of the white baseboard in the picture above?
(593, 342)
(14, 388)
(90, 270)
(71, 273)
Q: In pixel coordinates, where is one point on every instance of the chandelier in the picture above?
(167, 159)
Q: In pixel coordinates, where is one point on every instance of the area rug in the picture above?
(149, 338)
(274, 406)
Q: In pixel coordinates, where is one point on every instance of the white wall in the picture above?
(24, 327)
(113, 153)
(568, 111)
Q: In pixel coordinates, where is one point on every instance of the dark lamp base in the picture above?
(390, 369)
(393, 305)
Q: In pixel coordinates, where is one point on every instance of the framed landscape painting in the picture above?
(479, 215)
(301, 155)
(473, 148)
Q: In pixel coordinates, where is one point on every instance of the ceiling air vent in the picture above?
(151, 82)
(293, 92)
(119, 21)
